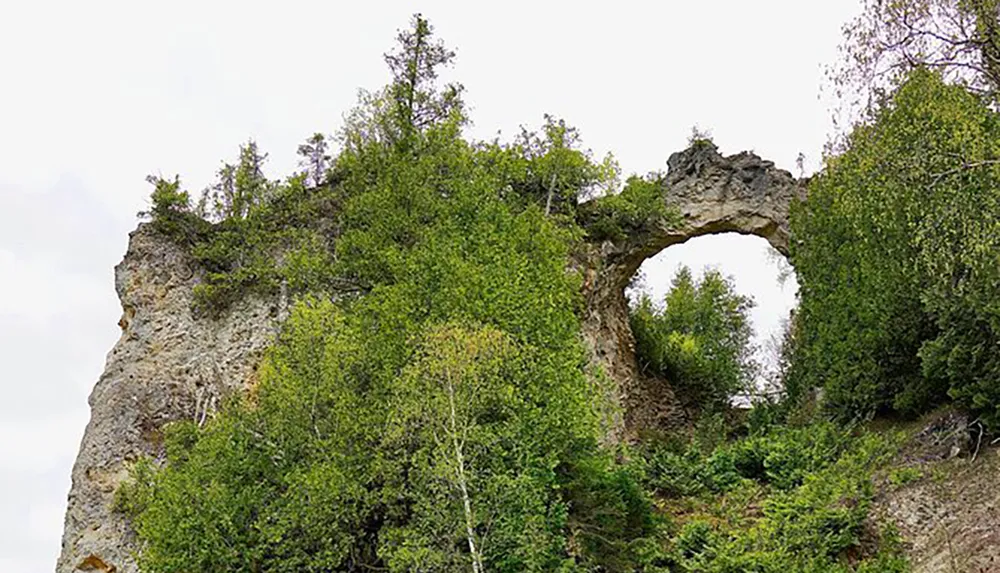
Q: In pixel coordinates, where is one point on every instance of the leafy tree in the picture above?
(315, 160)
(960, 39)
(171, 212)
(895, 253)
(438, 417)
(401, 114)
(699, 340)
(240, 188)
(448, 395)
(334, 420)
(417, 103)
(559, 173)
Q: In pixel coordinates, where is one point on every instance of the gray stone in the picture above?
(168, 365)
(741, 193)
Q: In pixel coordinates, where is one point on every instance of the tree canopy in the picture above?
(896, 250)
(436, 415)
(958, 39)
(699, 340)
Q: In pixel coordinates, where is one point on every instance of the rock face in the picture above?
(949, 516)
(170, 364)
(167, 365)
(741, 193)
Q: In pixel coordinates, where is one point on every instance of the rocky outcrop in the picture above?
(714, 194)
(948, 516)
(171, 364)
(168, 365)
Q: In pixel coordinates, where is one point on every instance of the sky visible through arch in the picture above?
(757, 270)
(96, 95)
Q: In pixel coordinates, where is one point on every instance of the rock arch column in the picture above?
(741, 193)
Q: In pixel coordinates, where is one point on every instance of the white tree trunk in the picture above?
(477, 558)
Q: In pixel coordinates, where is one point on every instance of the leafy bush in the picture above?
(781, 458)
(699, 341)
(639, 205)
(265, 234)
(171, 212)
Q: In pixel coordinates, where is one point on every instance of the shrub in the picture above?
(812, 487)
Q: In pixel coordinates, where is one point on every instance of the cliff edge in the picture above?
(169, 364)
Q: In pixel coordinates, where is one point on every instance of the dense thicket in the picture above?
(782, 499)
(897, 255)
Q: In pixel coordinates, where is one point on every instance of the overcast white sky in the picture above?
(96, 95)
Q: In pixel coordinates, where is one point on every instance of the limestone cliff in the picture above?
(167, 365)
(171, 364)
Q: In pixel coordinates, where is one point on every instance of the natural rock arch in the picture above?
(715, 194)
(171, 363)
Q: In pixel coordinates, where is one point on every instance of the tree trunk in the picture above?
(462, 481)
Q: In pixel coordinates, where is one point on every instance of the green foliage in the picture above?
(241, 187)
(634, 210)
(416, 102)
(481, 470)
(896, 254)
(959, 39)
(781, 458)
(902, 476)
(315, 160)
(171, 212)
(436, 415)
(134, 494)
(557, 174)
(699, 340)
(609, 515)
(438, 420)
(265, 234)
(700, 137)
(811, 488)
(354, 408)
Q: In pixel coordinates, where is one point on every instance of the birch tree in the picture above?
(450, 398)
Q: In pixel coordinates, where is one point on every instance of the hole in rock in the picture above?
(756, 269)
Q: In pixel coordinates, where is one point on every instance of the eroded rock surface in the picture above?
(167, 365)
(715, 194)
(948, 517)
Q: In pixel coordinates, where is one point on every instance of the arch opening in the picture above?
(757, 270)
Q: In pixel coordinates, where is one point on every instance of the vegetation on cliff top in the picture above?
(437, 416)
